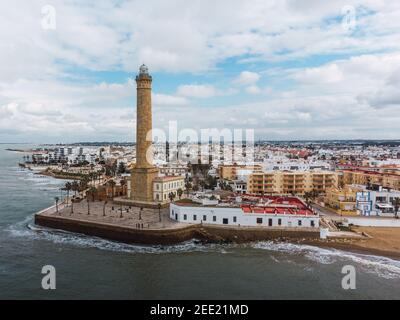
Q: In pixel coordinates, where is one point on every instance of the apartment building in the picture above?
(291, 182)
(343, 201)
(365, 177)
(235, 171)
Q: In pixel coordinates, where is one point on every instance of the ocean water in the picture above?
(93, 268)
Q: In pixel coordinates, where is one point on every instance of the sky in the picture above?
(289, 70)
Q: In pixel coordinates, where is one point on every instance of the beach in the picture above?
(382, 242)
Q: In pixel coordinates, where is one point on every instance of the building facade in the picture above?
(234, 172)
(291, 182)
(364, 177)
(164, 186)
(245, 216)
(343, 200)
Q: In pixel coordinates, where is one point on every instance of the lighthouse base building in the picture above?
(277, 212)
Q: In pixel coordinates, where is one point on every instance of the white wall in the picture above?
(244, 219)
(373, 222)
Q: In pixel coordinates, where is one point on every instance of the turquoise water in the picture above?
(88, 267)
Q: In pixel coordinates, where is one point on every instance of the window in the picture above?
(299, 223)
(312, 223)
(259, 220)
(270, 222)
(279, 222)
(214, 218)
(225, 220)
(234, 219)
(184, 217)
(204, 218)
(194, 217)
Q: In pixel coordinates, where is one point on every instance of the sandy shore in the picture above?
(384, 242)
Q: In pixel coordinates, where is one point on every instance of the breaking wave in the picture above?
(381, 266)
(28, 229)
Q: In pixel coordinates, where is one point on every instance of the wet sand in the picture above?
(384, 242)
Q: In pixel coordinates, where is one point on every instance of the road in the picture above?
(324, 211)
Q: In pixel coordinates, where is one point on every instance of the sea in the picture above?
(94, 268)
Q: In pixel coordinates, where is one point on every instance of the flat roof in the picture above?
(168, 178)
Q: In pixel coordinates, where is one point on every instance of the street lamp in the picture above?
(159, 211)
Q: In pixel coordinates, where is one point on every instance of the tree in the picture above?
(171, 196)
(188, 186)
(83, 184)
(307, 197)
(75, 187)
(56, 200)
(121, 168)
(68, 188)
(180, 192)
(92, 192)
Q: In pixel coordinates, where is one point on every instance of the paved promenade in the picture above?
(120, 215)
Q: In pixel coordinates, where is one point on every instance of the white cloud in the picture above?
(253, 89)
(197, 91)
(327, 74)
(44, 92)
(169, 100)
(247, 78)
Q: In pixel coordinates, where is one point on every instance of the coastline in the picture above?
(58, 176)
(221, 234)
(170, 236)
(384, 242)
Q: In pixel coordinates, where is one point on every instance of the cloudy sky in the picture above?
(289, 69)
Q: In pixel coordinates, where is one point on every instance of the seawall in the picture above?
(167, 236)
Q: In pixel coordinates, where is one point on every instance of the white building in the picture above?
(376, 203)
(242, 216)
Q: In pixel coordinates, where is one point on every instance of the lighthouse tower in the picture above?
(144, 171)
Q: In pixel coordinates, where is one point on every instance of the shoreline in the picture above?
(212, 234)
(353, 248)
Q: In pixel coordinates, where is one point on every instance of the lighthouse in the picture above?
(144, 172)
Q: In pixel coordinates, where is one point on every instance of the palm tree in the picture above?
(57, 199)
(188, 185)
(83, 185)
(72, 206)
(92, 192)
(75, 187)
(180, 192)
(68, 188)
